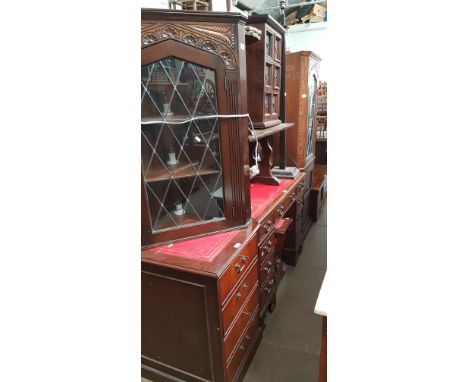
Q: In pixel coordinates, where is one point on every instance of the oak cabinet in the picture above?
(265, 71)
(194, 160)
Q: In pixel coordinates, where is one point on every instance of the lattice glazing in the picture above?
(181, 159)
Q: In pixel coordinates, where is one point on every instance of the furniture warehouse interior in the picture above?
(233, 190)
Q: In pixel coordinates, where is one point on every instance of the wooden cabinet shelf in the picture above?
(262, 133)
(182, 170)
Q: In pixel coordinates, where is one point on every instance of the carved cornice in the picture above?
(215, 39)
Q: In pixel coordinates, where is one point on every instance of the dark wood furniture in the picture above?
(200, 307)
(319, 190)
(270, 208)
(301, 89)
(265, 54)
(195, 177)
(265, 152)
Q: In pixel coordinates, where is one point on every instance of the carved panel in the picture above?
(216, 39)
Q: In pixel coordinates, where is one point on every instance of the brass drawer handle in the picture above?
(267, 269)
(239, 268)
(238, 296)
(268, 290)
(244, 258)
(247, 337)
(245, 286)
(242, 347)
(248, 314)
(271, 282)
(269, 263)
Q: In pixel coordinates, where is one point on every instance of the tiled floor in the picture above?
(290, 348)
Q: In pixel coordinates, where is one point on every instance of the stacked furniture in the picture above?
(211, 239)
(301, 88)
(270, 208)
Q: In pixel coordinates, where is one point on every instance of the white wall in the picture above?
(310, 37)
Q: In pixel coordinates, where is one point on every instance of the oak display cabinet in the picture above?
(302, 69)
(194, 162)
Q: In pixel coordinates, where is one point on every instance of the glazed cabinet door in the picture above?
(312, 99)
(181, 155)
(186, 157)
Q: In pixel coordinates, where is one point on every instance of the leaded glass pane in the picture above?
(311, 111)
(180, 148)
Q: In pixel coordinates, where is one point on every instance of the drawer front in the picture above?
(236, 300)
(267, 268)
(247, 312)
(266, 224)
(237, 269)
(266, 248)
(267, 290)
(243, 348)
(300, 187)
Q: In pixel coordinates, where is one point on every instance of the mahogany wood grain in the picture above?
(249, 310)
(267, 292)
(243, 348)
(237, 269)
(268, 267)
(233, 305)
(267, 247)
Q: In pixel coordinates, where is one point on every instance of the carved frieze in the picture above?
(216, 39)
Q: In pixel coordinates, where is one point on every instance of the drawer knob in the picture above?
(242, 347)
(269, 263)
(267, 269)
(268, 290)
(244, 258)
(248, 314)
(239, 267)
(245, 286)
(271, 282)
(247, 337)
(238, 295)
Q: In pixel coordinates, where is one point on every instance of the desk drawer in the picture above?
(266, 224)
(267, 247)
(267, 291)
(243, 348)
(237, 269)
(267, 268)
(240, 295)
(247, 312)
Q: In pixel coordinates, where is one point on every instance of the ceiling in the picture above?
(261, 4)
